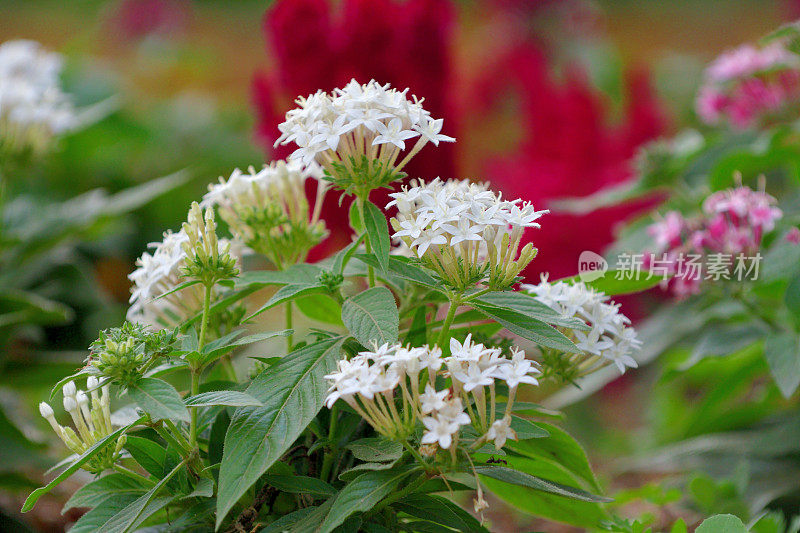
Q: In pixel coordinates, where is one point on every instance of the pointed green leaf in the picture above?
(531, 307)
(372, 316)
(287, 293)
(159, 399)
(439, 510)
(782, 352)
(292, 391)
(230, 398)
(96, 492)
(529, 328)
(378, 232)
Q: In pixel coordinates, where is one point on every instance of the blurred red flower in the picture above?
(568, 147)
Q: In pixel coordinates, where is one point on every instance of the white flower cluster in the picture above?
(464, 231)
(33, 107)
(369, 381)
(610, 337)
(92, 422)
(369, 121)
(159, 273)
(268, 209)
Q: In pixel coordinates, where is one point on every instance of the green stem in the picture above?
(448, 320)
(196, 371)
(289, 342)
(178, 435)
(327, 463)
(370, 270)
(134, 475)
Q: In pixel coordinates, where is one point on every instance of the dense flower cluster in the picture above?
(33, 108)
(609, 339)
(358, 133)
(122, 354)
(92, 423)
(464, 231)
(159, 273)
(733, 222)
(268, 210)
(747, 84)
(369, 383)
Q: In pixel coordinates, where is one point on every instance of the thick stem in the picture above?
(196, 371)
(367, 244)
(448, 320)
(327, 463)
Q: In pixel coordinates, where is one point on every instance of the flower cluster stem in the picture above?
(448, 320)
(289, 340)
(196, 371)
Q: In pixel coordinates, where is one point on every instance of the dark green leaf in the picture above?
(402, 268)
(300, 485)
(292, 392)
(303, 273)
(378, 233)
(372, 316)
(515, 477)
(526, 429)
(149, 454)
(159, 399)
(377, 449)
(229, 398)
(531, 307)
(441, 511)
(96, 492)
(288, 293)
(529, 328)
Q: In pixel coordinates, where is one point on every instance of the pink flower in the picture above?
(793, 236)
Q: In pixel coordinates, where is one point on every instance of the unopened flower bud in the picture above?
(45, 410)
(69, 389)
(70, 404)
(92, 383)
(81, 398)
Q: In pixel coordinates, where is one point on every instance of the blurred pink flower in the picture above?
(748, 84)
(135, 19)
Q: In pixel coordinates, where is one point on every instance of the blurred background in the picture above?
(548, 99)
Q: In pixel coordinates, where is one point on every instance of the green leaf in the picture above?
(149, 454)
(515, 477)
(302, 273)
(558, 448)
(403, 268)
(98, 491)
(159, 399)
(529, 328)
(724, 339)
(361, 494)
(538, 502)
(85, 456)
(440, 511)
(377, 449)
(322, 308)
(230, 398)
(140, 509)
(526, 429)
(792, 296)
(628, 282)
(378, 233)
(530, 307)
(372, 316)
(782, 352)
(28, 307)
(288, 293)
(94, 520)
(300, 485)
(219, 347)
(292, 392)
(722, 523)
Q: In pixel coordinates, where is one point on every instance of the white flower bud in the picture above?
(81, 398)
(69, 389)
(45, 410)
(92, 383)
(70, 404)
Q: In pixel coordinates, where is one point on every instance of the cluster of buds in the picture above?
(207, 259)
(733, 222)
(154, 300)
(33, 107)
(464, 232)
(92, 424)
(269, 212)
(609, 339)
(358, 133)
(746, 85)
(393, 387)
(122, 354)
